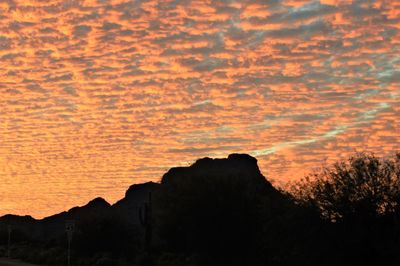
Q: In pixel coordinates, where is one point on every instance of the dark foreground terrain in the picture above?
(9, 262)
(223, 212)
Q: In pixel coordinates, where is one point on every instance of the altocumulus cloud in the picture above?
(90, 90)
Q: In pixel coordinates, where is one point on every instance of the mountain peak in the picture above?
(98, 202)
(244, 157)
(12, 217)
(235, 164)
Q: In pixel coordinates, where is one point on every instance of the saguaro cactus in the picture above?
(146, 220)
(9, 231)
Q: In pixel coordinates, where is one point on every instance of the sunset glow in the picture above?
(98, 95)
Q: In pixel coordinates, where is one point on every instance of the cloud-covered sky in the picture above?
(98, 95)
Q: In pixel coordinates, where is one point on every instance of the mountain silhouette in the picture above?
(236, 165)
(218, 210)
(224, 212)
(54, 225)
(135, 198)
(242, 165)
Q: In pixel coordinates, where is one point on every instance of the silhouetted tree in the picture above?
(364, 187)
(360, 198)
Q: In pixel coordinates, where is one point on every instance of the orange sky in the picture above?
(98, 95)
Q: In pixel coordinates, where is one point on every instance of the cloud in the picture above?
(305, 12)
(307, 30)
(90, 90)
(70, 90)
(5, 43)
(81, 31)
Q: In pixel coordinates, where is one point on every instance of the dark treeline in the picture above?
(223, 212)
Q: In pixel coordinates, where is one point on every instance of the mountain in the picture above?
(54, 225)
(135, 198)
(214, 207)
(236, 169)
(240, 166)
(236, 165)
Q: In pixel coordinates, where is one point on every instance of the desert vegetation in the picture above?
(224, 212)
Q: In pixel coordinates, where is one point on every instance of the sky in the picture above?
(98, 95)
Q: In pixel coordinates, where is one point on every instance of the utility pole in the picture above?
(69, 228)
(9, 230)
